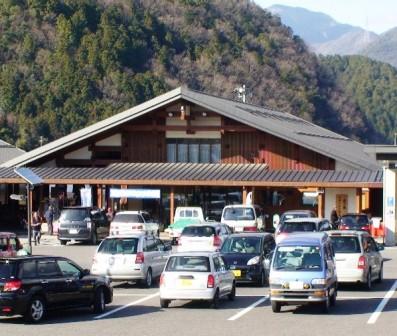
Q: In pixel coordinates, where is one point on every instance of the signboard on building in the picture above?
(135, 193)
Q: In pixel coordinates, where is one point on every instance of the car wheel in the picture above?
(94, 238)
(276, 307)
(164, 303)
(380, 276)
(333, 298)
(262, 279)
(232, 294)
(148, 281)
(99, 301)
(36, 310)
(63, 242)
(215, 300)
(368, 284)
(326, 305)
(158, 233)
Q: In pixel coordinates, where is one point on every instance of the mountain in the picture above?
(384, 48)
(69, 63)
(323, 34)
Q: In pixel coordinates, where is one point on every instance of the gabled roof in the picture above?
(8, 151)
(283, 125)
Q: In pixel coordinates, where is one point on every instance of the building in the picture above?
(190, 148)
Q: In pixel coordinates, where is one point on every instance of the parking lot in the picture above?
(137, 311)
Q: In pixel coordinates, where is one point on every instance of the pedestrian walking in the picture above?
(49, 216)
(334, 218)
(36, 227)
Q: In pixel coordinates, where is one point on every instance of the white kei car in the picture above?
(196, 276)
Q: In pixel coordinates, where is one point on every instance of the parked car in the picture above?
(203, 237)
(82, 224)
(303, 271)
(126, 222)
(243, 218)
(355, 221)
(184, 216)
(248, 256)
(196, 276)
(131, 257)
(31, 286)
(304, 224)
(291, 214)
(10, 245)
(357, 257)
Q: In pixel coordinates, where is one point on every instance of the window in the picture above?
(150, 245)
(217, 264)
(188, 263)
(194, 150)
(119, 246)
(48, 268)
(28, 270)
(68, 269)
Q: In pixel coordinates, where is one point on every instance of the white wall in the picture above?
(114, 140)
(80, 154)
(389, 205)
(330, 199)
(199, 121)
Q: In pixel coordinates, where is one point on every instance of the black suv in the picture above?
(82, 224)
(30, 286)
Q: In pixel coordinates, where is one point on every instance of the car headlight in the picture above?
(253, 261)
(321, 281)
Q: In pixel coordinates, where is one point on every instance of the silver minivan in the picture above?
(131, 257)
(303, 271)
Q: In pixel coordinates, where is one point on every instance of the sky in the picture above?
(374, 15)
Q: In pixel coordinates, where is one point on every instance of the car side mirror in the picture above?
(85, 272)
(380, 247)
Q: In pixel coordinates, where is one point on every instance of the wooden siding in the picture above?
(260, 147)
(144, 147)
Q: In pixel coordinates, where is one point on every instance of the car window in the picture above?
(48, 269)
(269, 245)
(127, 218)
(188, 263)
(222, 264)
(242, 245)
(292, 258)
(346, 244)
(6, 269)
(367, 245)
(119, 246)
(198, 231)
(147, 217)
(68, 269)
(372, 244)
(298, 227)
(217, 264)
(28, 269)
(74, 214)
(150, 245)
(239, 214)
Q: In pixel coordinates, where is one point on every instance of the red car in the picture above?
(10, 244)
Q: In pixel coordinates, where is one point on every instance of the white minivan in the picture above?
(243, 218)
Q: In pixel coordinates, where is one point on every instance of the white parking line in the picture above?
(127, 305)
(382, 304)
(248, 309)
(129, 294)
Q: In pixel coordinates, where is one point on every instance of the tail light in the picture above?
(344, 227)
(12, 285)
(210, 281)
(217, 241)
(162, 280)
(140, 258)
(250, 229)
(362, 262)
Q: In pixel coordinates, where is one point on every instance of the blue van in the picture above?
(303, 271)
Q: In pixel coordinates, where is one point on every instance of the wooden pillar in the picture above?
(358, 200)
(99, 196)
(253, 195)
(320, 203)
(172, 205)
(244, 195)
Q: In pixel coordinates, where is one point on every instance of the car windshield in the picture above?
(188, 264)
(353, 220)
(119, 246)
(292, 258)
(128, 218)
(239, 214)
(343, 244)
(242, 245)
(74, 214)
(198, 231)
(289, 227)
(6, 269)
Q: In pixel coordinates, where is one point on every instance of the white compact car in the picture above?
(196, 276)
(203, 237)
(243, 218)
(131, 257)
(357, 257)
(126, 222)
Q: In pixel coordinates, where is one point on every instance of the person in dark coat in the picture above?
(334, 218)
(36, 228)
(49, 216)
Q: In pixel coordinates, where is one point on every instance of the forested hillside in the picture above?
(69, 63)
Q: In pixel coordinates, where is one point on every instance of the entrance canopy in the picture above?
(198, 174)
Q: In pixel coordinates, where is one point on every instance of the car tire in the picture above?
(94, 238)
(36, 310)
(276, 307)
(332, 301)
(368, 283)
(63, 242)
(380, 276)
(99, 301)
(232, 295)
(148, 281)
(215, 300)
(262, 279)
(164, 303)
(326, 305)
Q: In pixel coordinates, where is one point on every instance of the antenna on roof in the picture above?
(241, 93)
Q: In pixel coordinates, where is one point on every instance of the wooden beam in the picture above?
(164, 128)
(172, 205)
(321, 204)
(244, 194)
(359, 200)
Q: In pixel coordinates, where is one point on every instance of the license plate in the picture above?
(238, 229)
(296, 285)
(72, 231)
(237, 273)
(186, 282)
